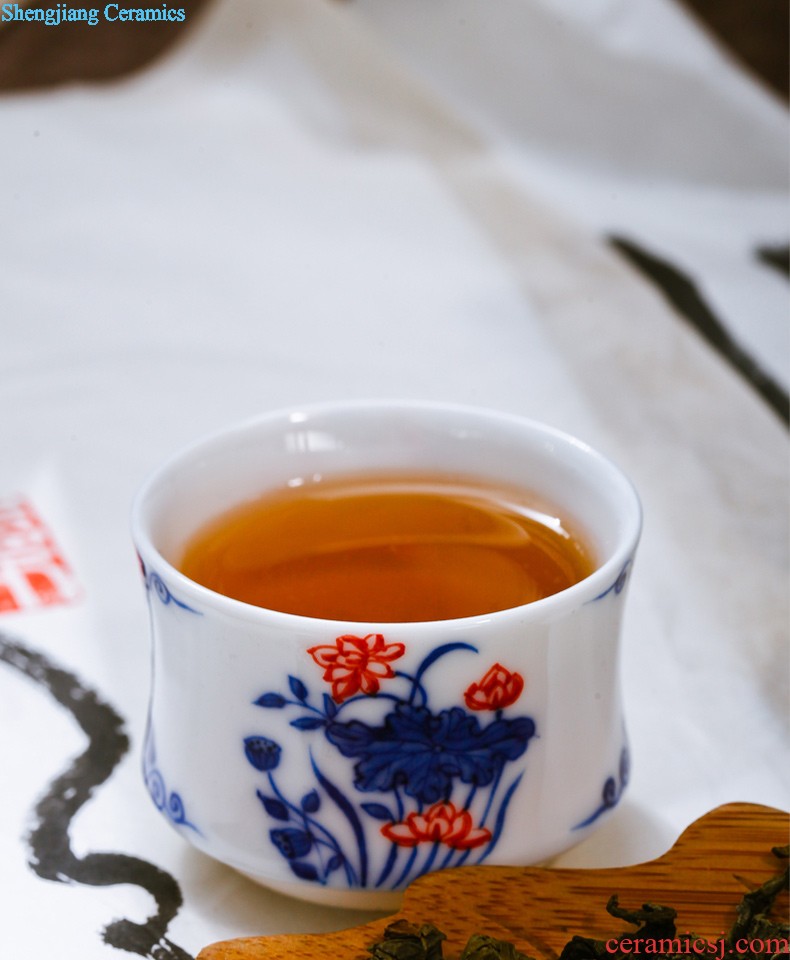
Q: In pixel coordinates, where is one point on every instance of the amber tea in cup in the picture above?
(392, 549)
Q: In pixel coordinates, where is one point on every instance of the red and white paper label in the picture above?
(33, 571)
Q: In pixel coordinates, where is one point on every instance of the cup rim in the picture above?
(595, 585)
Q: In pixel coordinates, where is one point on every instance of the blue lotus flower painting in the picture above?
(435, 785)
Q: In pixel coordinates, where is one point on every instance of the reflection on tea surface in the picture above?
(378, 549)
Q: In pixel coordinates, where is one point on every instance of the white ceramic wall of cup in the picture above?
(493, 739)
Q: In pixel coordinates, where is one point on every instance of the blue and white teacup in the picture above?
(338, 761)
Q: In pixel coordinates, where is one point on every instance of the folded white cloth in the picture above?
(485, 203)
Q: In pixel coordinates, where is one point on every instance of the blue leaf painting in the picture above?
(298, 689)
(378, 811)
(305, 871)
(308, 723)
(276, 809)
(273, 700)
(330, 707)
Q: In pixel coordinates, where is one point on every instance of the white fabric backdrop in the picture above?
(310, 200)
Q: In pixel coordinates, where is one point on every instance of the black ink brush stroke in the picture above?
(51, 856)
(778, 258)
(681, 292)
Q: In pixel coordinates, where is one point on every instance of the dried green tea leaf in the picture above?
(752, 923)
(757, 903)
(482, 947)
(406, 941)
(585, 948)
(653, 919)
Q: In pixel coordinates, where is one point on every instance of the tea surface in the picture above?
(384, 550)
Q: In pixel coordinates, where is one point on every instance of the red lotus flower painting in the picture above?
(498, 689)
(442, 823)
(355, 664)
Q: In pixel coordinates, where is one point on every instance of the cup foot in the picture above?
(378, 901)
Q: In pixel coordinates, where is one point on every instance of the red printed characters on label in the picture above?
(33, 572)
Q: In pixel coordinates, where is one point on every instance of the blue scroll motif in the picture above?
(612, 790)
(619, 584)
(167, 802)
(154, 583)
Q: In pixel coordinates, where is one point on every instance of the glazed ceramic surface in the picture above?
(338, 761)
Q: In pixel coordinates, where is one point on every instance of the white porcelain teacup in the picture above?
(494, 739)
